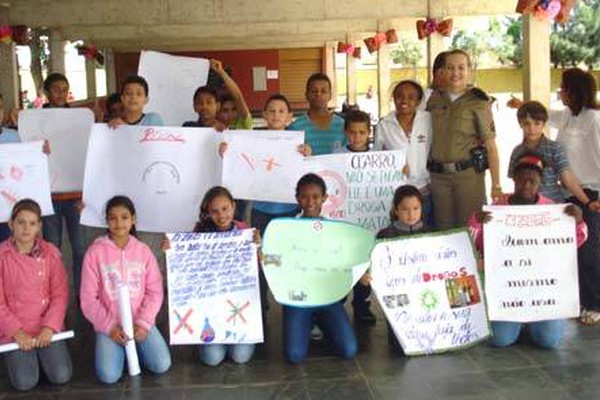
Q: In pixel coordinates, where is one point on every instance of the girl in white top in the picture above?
(410, 129)
(579, 131)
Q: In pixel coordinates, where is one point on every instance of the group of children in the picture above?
(31, 317)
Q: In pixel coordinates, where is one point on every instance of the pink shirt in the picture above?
(105, 266)
(477, 229)
(34, 291)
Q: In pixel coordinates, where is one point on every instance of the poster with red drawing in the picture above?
(360, 186)
(213, 286)
(67, 131)
(23, 175)
(263, 165)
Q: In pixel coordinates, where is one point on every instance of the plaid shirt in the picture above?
(555, 163)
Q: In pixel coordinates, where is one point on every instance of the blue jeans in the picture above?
(153, 353)
(4, 231)
(332, 319)
(52, 229)
(545, 334)
(213, 354)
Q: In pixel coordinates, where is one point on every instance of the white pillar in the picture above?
(9, 76)
(384, 79)
(57, 51)
(111, 76)
(90, 77)
(329, 61)
(536, 57)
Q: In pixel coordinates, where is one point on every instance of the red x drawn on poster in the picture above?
(271, 163)
(183, 322)
(236, 311)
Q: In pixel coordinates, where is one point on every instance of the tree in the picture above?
(40, 56)
(510, 49)
(408, 54)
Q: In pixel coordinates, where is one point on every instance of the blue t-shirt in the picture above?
(321, 141)
(151, 119)
(8, 135)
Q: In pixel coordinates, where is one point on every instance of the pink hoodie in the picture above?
(104, 266)
(34, 291)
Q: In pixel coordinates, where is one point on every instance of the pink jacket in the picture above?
(104, 267)
(34, 292)
(477, 229)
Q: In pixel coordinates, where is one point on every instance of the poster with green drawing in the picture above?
(430, 291)
(313, 262)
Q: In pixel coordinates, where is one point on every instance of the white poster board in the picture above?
(213, 287)
(164, 170)
(430, 292)
(23, 174)
(172, 81)
(67, 131)
(360, 185)
(530, 263)
(263, 165)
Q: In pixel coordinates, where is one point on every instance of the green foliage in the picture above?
(474, 43)
(408, 53)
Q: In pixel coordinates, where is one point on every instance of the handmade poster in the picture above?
(430, 292)
(67, 131)
(314, 262)
(213, 286)
(164, 170)
(530, 263)
(23, 175)
(172, 81)
(360, 185)
(263, 165)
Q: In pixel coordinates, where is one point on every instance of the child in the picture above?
(323, 130)
(217, 215)
(532, 117)
(7, 135)
(113, 107)
(33, 301)
(409, 128)
(357, 129)
(134, 97)
(527, 175)
(311, 193)
(67, 205)
(462, 133)
(229, 111)
(119, 258)
(405, 220)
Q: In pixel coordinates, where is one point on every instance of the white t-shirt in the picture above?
(391, 136)
(581, 137)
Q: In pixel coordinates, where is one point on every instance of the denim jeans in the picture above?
(24, 366)
(545, 334)
(297, 322)
(213, 354)
(53, 233)
(153, 353)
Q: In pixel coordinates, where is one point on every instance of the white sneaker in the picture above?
(316, 333)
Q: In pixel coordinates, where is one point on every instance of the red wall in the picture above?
(240, 61)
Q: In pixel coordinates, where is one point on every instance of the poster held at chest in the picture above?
(360, 185)
(531, 263)
(430, 292)
(213, 287)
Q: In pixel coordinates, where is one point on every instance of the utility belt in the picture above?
(448, 168)
(478, 160)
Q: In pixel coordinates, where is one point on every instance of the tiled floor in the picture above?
(520, 372)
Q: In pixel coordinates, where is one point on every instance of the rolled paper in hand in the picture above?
(127, 324)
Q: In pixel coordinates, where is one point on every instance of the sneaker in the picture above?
(316, 333)
(366, 317)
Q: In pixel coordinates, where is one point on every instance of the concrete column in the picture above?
(9, 76)
(351, 71)
(536, 57)
(90, 77)
(111, 77)
(384, 79)
(57, 51)
(329, 66)
(435, 45)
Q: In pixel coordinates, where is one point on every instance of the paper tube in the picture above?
(56, 337)
(127, 324)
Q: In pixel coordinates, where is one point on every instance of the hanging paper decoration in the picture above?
(90, 52)
(557, 10)
(349, 49)
(374, 43)
(6, 34)
(426, 27)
